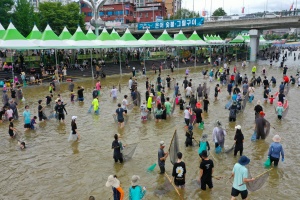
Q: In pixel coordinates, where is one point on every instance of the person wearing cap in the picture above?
(179, 171)
(162, 156)
(144, 111)
(59, 109)
(198, 112)
(189, 136)
(150, 102)
(206, 171)
(258, 108)
(203, 144)
(279, 110)
(41, 113)
(219, 135)
(260, 124)
(27, 119)
(74, 135)
(239, 140)
(114, 183)
(276, 150)
(95, 104)
(136, 192)
(240, 177)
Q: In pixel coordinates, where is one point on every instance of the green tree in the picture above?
(23, 17)
(285, 36)
(184, 14)
(5, 7)
(219, 12)
(58, 15)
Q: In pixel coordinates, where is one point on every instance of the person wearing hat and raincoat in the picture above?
(150, 102)
(276, 150)
(279, 110)
(74, 135)
(239, 140)
(189, 136)
(219, 135)
(114, 183)
(203, 144)
(144, 111)
(240, 177)
(136, 192)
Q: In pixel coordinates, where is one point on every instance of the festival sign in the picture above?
(179, 23)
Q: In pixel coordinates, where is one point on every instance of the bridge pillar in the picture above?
(254, 43)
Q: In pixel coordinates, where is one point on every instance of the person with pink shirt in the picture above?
(98, 87)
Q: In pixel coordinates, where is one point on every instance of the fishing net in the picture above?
(164, 188)
(138, 97)
(267, 128)
(174, 105)
(285, 112)
(244, 103)
(258, 182)
(174, 148)
(229, 150)
(129, 151)
(286, 89)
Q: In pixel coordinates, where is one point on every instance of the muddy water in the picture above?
(53, 168)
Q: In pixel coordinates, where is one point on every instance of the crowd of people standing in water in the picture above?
(193, 102)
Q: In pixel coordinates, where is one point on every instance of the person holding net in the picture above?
(240, 177)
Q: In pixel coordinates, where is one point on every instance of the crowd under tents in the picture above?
(11, 38)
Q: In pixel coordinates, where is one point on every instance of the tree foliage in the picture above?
(23, 17)
(219, 12)
(184, 14)
(57, 16)
(5, 7)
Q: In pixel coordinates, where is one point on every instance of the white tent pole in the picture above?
(55, 52)
(178, 57)
(12, 69)
(145, 59)
(195, 58)
(120, 61)
(92, 64)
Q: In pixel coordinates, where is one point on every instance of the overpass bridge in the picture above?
(228, 25)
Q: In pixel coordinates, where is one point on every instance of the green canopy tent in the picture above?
(165, 38)
(35, 34)
(2, 31)
(197, 40)
(115, 35)
(50, 40)
(148, 40)
(65, 34)
(90, 35)
(237, 40)
(129, 40)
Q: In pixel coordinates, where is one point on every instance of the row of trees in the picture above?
(53, 13)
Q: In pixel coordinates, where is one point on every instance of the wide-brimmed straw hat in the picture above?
(135, 180)
(151, 95)
(218, 123)
(112, 182)
(276, 138)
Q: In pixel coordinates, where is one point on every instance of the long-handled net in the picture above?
(258, 182)
(129, 151)
(230, 149)
(120, 87)
(174, 106)
(286, 89)
(286, 108)
(174, 148)
(138, 97)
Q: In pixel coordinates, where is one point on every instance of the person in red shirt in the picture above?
(271, 99)
(286, 80)
(234, 69)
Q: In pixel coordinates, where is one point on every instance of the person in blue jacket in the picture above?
(136, 192)
(276, 150)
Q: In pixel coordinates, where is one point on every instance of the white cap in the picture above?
(74, 117)
(238, 127)
(162, 143)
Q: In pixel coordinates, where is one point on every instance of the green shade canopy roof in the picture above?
(104, 36)
(180, 36)
(147, 36)
(48, 34)
(2, 31)
(12, 33)
(90, 35)
(127, 36)
(35, 34)
(79, 35)
(115, 35)
(195, 36)
(65, 34)
(165, 37)
(238, 39)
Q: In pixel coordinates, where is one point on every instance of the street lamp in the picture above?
(94, 5)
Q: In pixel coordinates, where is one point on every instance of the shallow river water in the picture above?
(53, 168)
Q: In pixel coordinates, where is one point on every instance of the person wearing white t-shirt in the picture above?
(187, 115)
(114, 93)
(188, 91)
(125, 104)
(130, 83)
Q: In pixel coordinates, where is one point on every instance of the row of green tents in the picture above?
(11, 38)
(245, 38)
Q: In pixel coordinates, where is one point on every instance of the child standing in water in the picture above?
(271, 99)
(72, 96)
(187, 71)
(279, 110)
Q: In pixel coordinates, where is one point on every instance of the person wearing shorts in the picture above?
(27, 119)
(240, 177)
(206, 171)
(125, 104)
(60, 108)
(11, 128)
(217, 90)
(120, 116)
